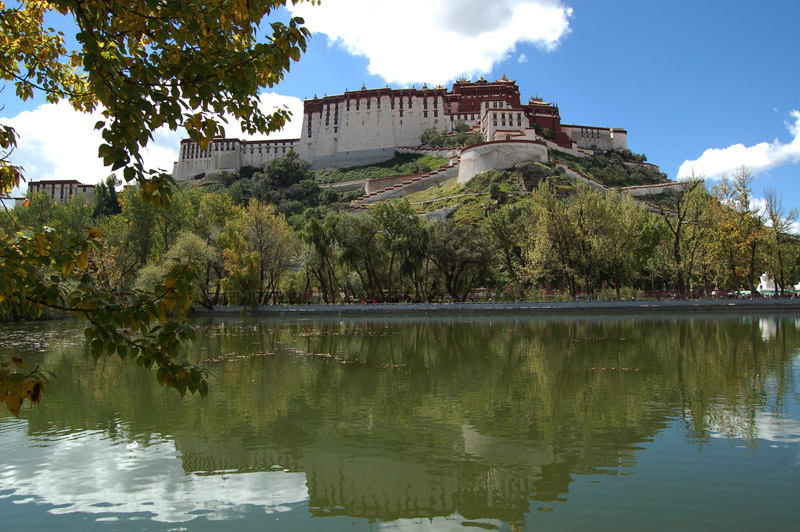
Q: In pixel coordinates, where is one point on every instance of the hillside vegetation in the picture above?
(400, 164)
(613, 168)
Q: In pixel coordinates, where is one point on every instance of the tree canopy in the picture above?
(144, 65)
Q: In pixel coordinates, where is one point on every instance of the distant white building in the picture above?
(61, 190)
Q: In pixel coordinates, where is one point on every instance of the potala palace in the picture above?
(368, 126)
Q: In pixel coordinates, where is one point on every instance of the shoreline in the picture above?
(534, 308)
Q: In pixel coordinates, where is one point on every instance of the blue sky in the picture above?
(684, 78)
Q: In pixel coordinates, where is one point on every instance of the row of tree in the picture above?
(577, 241)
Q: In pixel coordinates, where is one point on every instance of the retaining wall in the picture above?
(498, 155)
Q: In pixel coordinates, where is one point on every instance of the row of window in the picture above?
(510, 123)
(193, 153)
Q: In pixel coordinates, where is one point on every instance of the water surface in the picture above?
(619, 423)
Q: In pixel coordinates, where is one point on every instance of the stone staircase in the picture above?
(409, 184)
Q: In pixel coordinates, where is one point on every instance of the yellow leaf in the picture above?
(18, 361)
(14, 403)
(95, 232)
(83, 259)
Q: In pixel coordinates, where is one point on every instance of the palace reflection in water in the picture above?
(389, 420)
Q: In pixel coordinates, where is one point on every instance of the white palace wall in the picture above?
(597, 138)
(367, 129)
(227, 155)
(498, 155)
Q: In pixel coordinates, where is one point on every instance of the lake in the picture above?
(626, 422)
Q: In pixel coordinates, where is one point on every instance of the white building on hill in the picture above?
(367, 126)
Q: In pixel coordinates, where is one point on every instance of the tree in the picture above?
(358, 238)
(682, 219)
(286, 171)
(461, 126)
(620, 237)
(506, 230)
(144, 65)
(428, 135)
(462, 255)
(779, 241)
(737, 227)
(404, 237)
(258, 249)
(549, 249)
(323, 255)
(105, 200)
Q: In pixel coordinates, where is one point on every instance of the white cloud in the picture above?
(716, 163)
(57, 142)
(419, 40)
(522, 59)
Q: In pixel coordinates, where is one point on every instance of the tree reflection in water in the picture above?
(402, 418)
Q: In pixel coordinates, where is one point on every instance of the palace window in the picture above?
(409, 102)
(401, 113)
(424, 114)
(369, 100)
(435, 114)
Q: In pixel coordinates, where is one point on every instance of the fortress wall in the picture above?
(258, 154)
(571, 172)
(352, 158)
(597, 138)
(647, 190)
(439, 152)
(227, 155)
(498, 156)
(620, 141)
(365, 127)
